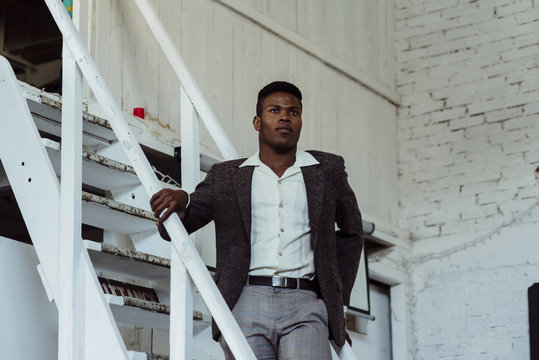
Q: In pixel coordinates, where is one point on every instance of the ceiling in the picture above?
(31, 42)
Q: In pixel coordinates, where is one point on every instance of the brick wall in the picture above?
(468, 73)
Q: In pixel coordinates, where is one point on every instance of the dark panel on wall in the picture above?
(533, 306)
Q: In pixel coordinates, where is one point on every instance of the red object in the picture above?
(139, 112)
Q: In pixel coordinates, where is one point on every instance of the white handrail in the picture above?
(181, 243)
(202, 107)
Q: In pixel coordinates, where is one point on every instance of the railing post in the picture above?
(181, 287)
(70, 278)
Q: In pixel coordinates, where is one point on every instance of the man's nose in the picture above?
(285, 117)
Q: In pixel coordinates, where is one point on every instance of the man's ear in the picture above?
(256, 123)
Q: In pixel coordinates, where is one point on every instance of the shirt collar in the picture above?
(303, 158)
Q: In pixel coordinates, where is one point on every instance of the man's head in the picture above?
(278, 116)
(276, 86)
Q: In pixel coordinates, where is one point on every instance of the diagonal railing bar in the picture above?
(181, 242)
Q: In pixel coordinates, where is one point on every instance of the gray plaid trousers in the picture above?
(282, 324)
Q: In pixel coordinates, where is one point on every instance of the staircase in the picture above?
(104, 177)
(130, 276)
(50, 148)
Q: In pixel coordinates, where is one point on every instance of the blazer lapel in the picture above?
(314, 187)
(242, 181)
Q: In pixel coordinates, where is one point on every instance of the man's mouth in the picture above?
(284, 129)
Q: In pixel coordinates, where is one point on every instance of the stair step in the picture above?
(97, 171)
(114, 216)
(135, 355)
(46, 111)
(132, 263)
(156, 357)
(151, 314)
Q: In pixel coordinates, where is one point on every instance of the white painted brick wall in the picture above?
(468, 74)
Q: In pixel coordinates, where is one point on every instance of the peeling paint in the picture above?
(146, 305)
(85, 115)
(148, 123)
(198, 315)
(52, 103)
(135, 255)
(157, 307)
(156, 120)
(128, 209)
(108, 162)
(96, 120)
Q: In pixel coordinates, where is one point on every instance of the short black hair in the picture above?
(276, 86)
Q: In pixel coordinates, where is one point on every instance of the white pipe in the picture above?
(193, 91)
(180, 239)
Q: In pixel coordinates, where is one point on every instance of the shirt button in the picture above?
(282, 230)
(280, 253)
(281, 205)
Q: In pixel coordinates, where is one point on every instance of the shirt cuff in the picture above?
(345, 308)
(188, 200)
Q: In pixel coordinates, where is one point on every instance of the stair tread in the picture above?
(157, 357)
(136, 355)
(139, 303)
(133, 263)
(111, 215)
(118, 206)
(148, 313)
(46, 111)
(97, 171)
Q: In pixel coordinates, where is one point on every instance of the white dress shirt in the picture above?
(280, 231)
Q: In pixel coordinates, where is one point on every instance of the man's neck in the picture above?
(278, 161)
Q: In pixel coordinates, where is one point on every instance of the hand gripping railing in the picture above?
(181, 244)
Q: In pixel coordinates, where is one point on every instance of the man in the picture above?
(281, 266)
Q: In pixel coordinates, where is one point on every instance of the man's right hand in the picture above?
(171, 200)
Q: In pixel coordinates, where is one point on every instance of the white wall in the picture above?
(232, 57)
(375, 343)
(468, 150)
(28, 321)
(359, 32)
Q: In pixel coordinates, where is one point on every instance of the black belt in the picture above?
(284, 282)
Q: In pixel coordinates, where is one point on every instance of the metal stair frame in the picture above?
(182, 247)
(37, 190)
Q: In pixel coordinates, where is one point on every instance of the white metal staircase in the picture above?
(87, 326)
(86, 150)
(98, 172)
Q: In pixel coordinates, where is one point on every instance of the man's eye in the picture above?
(294, 112)
(274, 111)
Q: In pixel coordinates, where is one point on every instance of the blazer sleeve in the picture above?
(349, 236)
(200, 209)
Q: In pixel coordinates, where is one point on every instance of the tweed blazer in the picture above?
(225, 197)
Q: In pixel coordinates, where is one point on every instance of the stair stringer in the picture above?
(37, 191)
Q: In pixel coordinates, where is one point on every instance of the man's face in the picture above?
(279, 124)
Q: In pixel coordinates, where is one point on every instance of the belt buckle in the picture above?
(278, 281)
